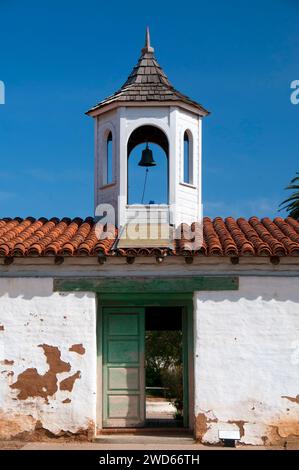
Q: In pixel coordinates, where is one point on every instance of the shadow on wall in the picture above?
(29, 288)
(255, 288)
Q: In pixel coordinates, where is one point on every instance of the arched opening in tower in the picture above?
(148, 166)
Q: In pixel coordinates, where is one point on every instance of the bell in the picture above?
(147, 157)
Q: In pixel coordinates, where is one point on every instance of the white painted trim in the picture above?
(96, 165)
(191, 156)
(106, 129)
(99, 345)
(109, 107)
(153, 121)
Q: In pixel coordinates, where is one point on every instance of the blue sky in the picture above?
(58, 58)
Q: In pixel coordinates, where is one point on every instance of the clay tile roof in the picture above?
(31, 237)
(147, 83)
(213, 242)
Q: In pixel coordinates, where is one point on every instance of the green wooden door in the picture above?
(123, 367)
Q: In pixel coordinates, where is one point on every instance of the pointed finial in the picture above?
(147, 46)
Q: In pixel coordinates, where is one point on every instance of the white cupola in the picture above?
(148, 140)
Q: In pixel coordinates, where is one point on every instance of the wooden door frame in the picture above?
(144, 300)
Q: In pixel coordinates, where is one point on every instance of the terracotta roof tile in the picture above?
(103, 246)
(211, 238)
(278, 234)
(287, 229)
(230, 248)
(293, 223)
(277, 248)
(81, 234)
(260, 247)
(65, 234)
(42, 237)
(45, 242)
(221, 237)
(188, 240)
(86, 247)
(245, 247)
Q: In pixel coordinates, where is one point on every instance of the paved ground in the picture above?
(127, 442)
(159, 409)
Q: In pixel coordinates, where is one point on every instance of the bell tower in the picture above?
(148, 134)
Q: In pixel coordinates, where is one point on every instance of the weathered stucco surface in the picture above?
(246, 358)
(247, 361)
(47, 360)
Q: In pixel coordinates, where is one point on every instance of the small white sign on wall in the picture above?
(229, 434)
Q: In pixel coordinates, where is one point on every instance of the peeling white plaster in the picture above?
(32, 315)
(243, 357)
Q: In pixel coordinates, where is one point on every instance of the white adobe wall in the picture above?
(246, 358)
(48, 350)
(247, 361)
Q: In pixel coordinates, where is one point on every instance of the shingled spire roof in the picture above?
(148, 83)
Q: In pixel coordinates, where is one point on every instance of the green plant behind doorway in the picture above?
(163, 361)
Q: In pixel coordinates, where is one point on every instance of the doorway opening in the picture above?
(144, 383)
(148, 176)
(164, 401)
